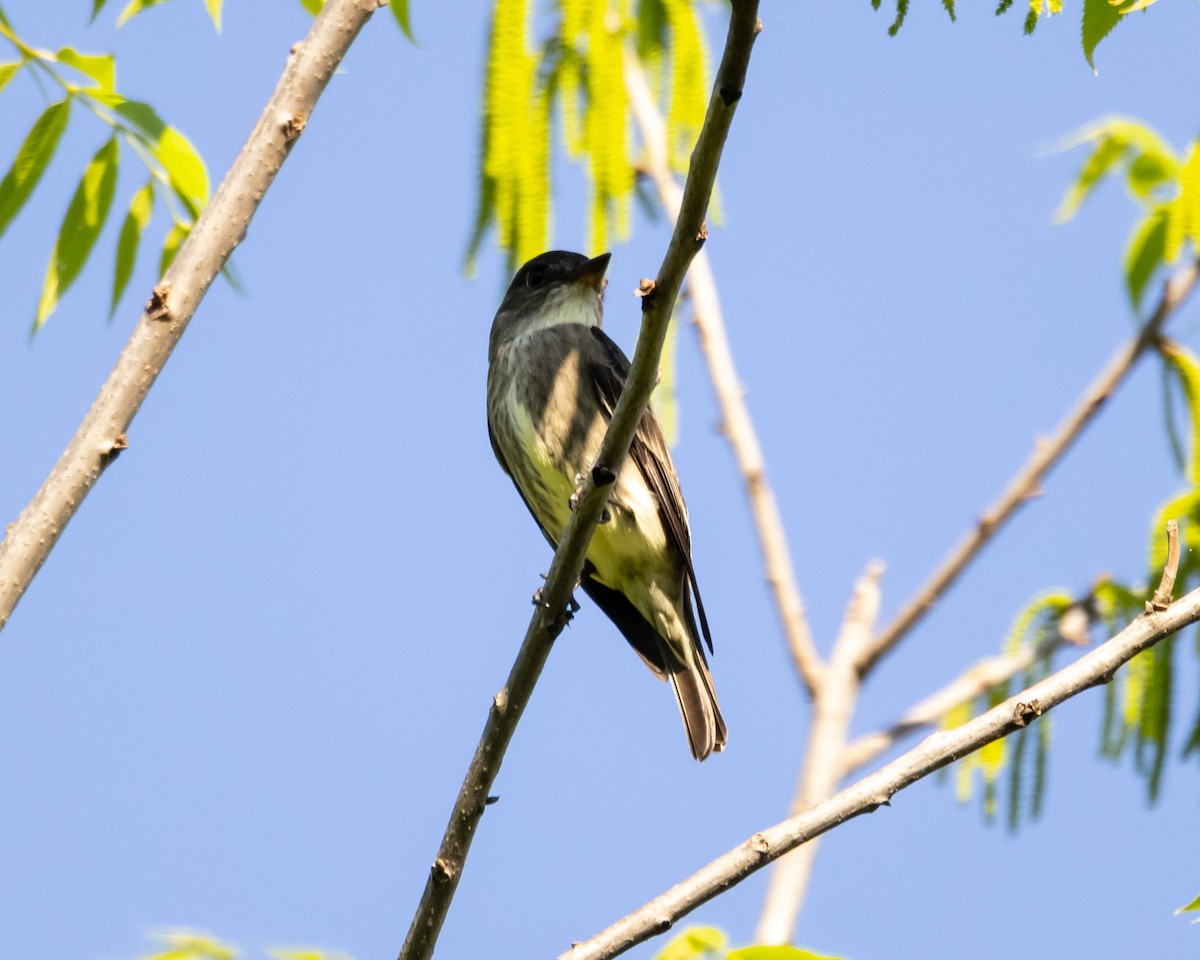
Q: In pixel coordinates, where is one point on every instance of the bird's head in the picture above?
(551, 289)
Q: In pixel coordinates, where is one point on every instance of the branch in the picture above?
(822, 770)
(992, 672)
(930, 711)
(1026, 484)
(102, 434)
(551, 615)
(735, 416)
(877, 789)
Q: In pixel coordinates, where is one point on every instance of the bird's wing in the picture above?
(608, 369)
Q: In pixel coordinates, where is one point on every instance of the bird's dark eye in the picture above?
(535, 277)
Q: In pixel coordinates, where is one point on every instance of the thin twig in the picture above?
(877, 789)
(549, 618)
(738, 427)
(822, 769)
(1027, 483)
(929, 712)
(1162, 596)
(102, 434)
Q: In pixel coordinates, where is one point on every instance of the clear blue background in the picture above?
(242, 693)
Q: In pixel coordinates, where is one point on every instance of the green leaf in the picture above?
(143, 116)
(1108, 152)
(97, 6)
(901, 14)
(1155, 715)
(401, 12)
(776, 953)
(8, 71)
(181, 162)
(140, 208)
(32, 158)
(134, 7)
(185, 168)
(1189, 907)
(1187, 365)
(1099, 18)
(312, 6)
(172, 244)
(81, 226)
(1180, 507)
(214, 12)
(1150, 169)
(1144, 252)
(101, 67)
(693, 943)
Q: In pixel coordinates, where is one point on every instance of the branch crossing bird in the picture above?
(554, 378)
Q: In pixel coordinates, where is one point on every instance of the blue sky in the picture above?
(242, 693)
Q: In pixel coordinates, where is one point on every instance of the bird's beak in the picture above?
(592, 272)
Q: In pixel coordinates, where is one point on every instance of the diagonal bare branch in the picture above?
(1026, 484)
(738, 426)
(221, 227)
(548, 620)
(877, 789)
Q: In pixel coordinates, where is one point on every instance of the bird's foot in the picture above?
(605, 516)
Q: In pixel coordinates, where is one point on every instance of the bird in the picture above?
(554, 378)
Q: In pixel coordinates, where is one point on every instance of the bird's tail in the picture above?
(702, 718)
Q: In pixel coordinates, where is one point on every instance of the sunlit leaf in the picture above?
(97, 6)
(81, 226)
(693, 943)
(214, 12)
(30, 163)
(8, 71)
(1190, 907)
(101, 67)
(180, 160)
(189, 945)
(400, 10)
(1149, 169)
(1144, 253)
(185, 169)
(1099, 18)
(312, 6)
(783, 952)
(1108, 152)
(134, 7)
(1051, 603)
(172, 244)
(305, 954)
(1187, 365)
(1154, 721)
(140, 208)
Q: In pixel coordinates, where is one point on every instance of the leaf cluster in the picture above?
(1138, 702)
(1166, 186)
(710, 943)
(191, 945)
(176, 173)
(576, 73)
(1099, 18)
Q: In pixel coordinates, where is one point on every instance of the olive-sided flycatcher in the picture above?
(554, 378)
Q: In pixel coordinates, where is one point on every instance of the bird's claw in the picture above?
(604, 517)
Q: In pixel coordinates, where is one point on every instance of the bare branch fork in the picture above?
(876, 790)
(1026, 484)
(551, 614)
(220, 228)
(789, 880)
